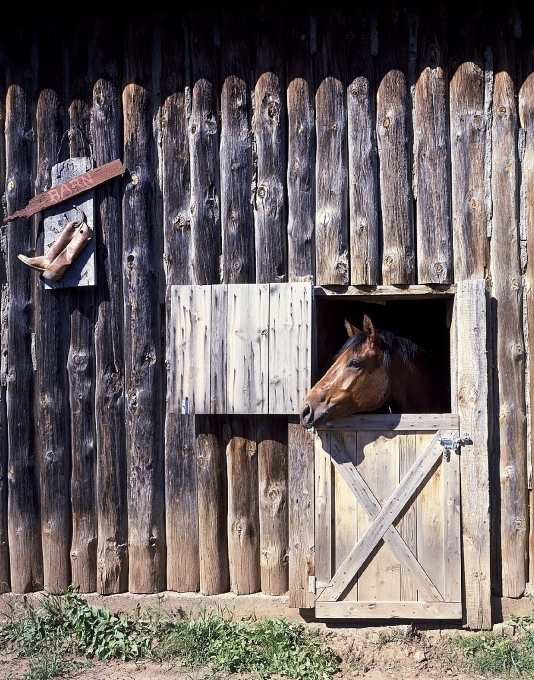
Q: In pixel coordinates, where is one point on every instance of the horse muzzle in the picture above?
(310, 415)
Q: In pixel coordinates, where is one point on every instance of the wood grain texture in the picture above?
(331, 215)
(269, 116)
(301, 150)
(509, 433)
(468, 136)
(408, 521)
(141, 258)
(212, 506)
(393, 127)
(243, 506)
(23, 516)
(431, 150)
(273, 504)
(111, 494)
(52, 333)
(4, 535)
(323, 509)
(401, 422)
(473, 411)
(236, 151)
(362, 153)
(301, 505)
(389, 610)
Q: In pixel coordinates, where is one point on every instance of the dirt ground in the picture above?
(377, 652)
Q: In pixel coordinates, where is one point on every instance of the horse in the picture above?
(375, 370)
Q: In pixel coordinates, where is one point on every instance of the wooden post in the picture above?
(142, 320)
(112, 511)
(431, 149)
(301, 501)
(509, 433)
(394, 149)
(331, 225)
(51, 351)
(269, 136)
(362, 158)
(473, 411)
(301, 155)
(180, 233)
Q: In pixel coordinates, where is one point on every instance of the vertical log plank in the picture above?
(331, 226)
(301, 146)
(111, 496)
(473, 412)
(26, 561)
(243, 513)
(431, 150)
(141, 259)
(362, 153)
(468, 136)
(301, 503)
(52, 333)
(408, 522)
(181, 510)
(394, 148)
(236, 151)
(81, 366)
(273, 508)
(506, 310)
(269, 134)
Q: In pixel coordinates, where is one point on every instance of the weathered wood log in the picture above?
(243, 519)
(212, 506)
(269, 134)
(509, 433)
(431, 150)
(142, 319)
(273, 505)
(301, 515)
(181, 511)
(468, 138)
(236, 151)
(331, 224)
(52, 331)
(25, 552)
(301, 156)
(394, 149)
(112, 511)
(362, 153)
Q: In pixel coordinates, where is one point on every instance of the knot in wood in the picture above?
(262, 192)
(135, 179)
(272, 109)
(473, 203)
(130, 260)
(386, 122)
(334, 127)
(388, 261)
(502, 110)
(438, 268)
(193, 129)
(10, 185)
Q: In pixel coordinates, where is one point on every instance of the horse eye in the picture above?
(354, 363)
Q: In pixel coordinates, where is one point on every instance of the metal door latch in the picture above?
(454, 444)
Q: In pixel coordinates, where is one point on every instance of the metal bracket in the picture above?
(185, 406)
(454, 444)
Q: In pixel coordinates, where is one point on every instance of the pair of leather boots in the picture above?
(63, 251)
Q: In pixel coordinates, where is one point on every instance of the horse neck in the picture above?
(411, 390)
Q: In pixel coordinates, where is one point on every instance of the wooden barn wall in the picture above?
(352, 145)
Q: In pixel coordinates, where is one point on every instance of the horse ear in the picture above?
(369, 328)
(351, 330)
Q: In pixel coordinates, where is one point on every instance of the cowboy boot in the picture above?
(41, 262)
(57, 268)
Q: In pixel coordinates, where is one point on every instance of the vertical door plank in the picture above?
(301, 515)
(301, 146)
(362, 153)
(331, 225)
(290, 312)
(345, 512)
(112, 512)
(142, 319)
(431, 150)
(269, 150)
(394, 149)
(248, 356)
(25, 551)
(273, 506)
(243, 506)
(323, 509)
(473, 412)
(408, 521)
(509, 467)
(452, 539)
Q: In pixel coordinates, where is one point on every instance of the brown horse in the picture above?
(374, 370)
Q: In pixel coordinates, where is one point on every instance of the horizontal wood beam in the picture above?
(391, 421)
(384, 292)
(388, 610)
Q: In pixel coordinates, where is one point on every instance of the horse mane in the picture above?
(409, 353)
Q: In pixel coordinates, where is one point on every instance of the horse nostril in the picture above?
(306, 414)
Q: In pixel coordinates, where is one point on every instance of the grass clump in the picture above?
(63, 631)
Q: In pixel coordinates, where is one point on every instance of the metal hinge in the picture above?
(454, 444)
(313, 584)
(185, 406)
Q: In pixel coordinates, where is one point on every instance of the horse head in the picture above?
(357, 381)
